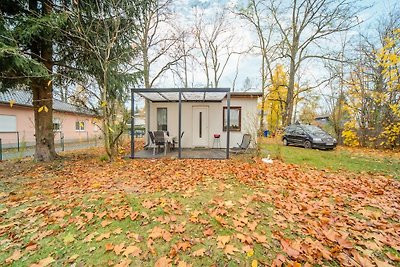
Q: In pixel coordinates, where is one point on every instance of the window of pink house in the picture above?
(80, 126)
(56, 125)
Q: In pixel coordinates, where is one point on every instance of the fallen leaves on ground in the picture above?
(287, 215)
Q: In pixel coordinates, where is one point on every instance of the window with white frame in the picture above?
(56, 125)
(8, 123)
(80, 126)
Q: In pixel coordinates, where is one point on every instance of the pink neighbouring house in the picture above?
(74, 123)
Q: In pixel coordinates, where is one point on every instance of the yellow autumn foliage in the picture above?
(275, 103)
(349, 134)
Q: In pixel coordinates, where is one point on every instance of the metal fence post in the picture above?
(18, 140)
(1, 151)
(62, 142)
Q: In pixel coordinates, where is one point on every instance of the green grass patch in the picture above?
(333, 159)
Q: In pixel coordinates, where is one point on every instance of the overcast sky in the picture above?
(250, 64)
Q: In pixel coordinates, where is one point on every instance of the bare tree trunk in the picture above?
(263, 98)
(146, 70)
(290, 96)
(310, 22)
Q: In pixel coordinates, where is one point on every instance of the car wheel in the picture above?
(307, 144)
(285, 142)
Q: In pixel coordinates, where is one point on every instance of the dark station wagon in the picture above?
(308, 136)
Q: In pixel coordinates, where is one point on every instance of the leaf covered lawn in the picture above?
(80, 210)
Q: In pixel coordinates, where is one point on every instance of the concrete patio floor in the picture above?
(187, 153)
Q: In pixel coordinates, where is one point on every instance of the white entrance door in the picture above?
(200, 126)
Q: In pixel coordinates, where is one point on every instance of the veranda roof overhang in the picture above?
(181, 95)
(187, 94)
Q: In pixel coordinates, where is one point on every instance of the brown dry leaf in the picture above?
(89, 215)
(119, 248)
(393, 257)
(278, 261)
(382, 263)
(370, 245)
(220, 220)
(105, 223)
(246, 248)
(135, 236)
(259, 238)
(149, 204)
(117, 231)
(90, 237)
(15, 256)
(132, 250)
(163, 262)
(237, 223)
(288, 249)
(72, 258)
(103, 236)
(109, 246)
(230, 249)
(208, 232)
(150, 247)
(173, 252)
(123, 263)
(134, 215)
(244, 238)
(180, 228)
(121, 215)
(229, 204)
(31, 247)
(43, 262)
(59, 214)
(330, 234)
(345, 243)
(199, 252)
(252, 225)
(42, 235)
(241, 237)
(363, 261)
(183, 245)
(156, 232)
(166, 236)
(222, 240)
(184, 264)
(101, 214)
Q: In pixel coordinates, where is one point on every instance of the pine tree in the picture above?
(26, 56)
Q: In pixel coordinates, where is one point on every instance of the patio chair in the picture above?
(244, 146)
(151, 143)
(177, 141)
(159, 141)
